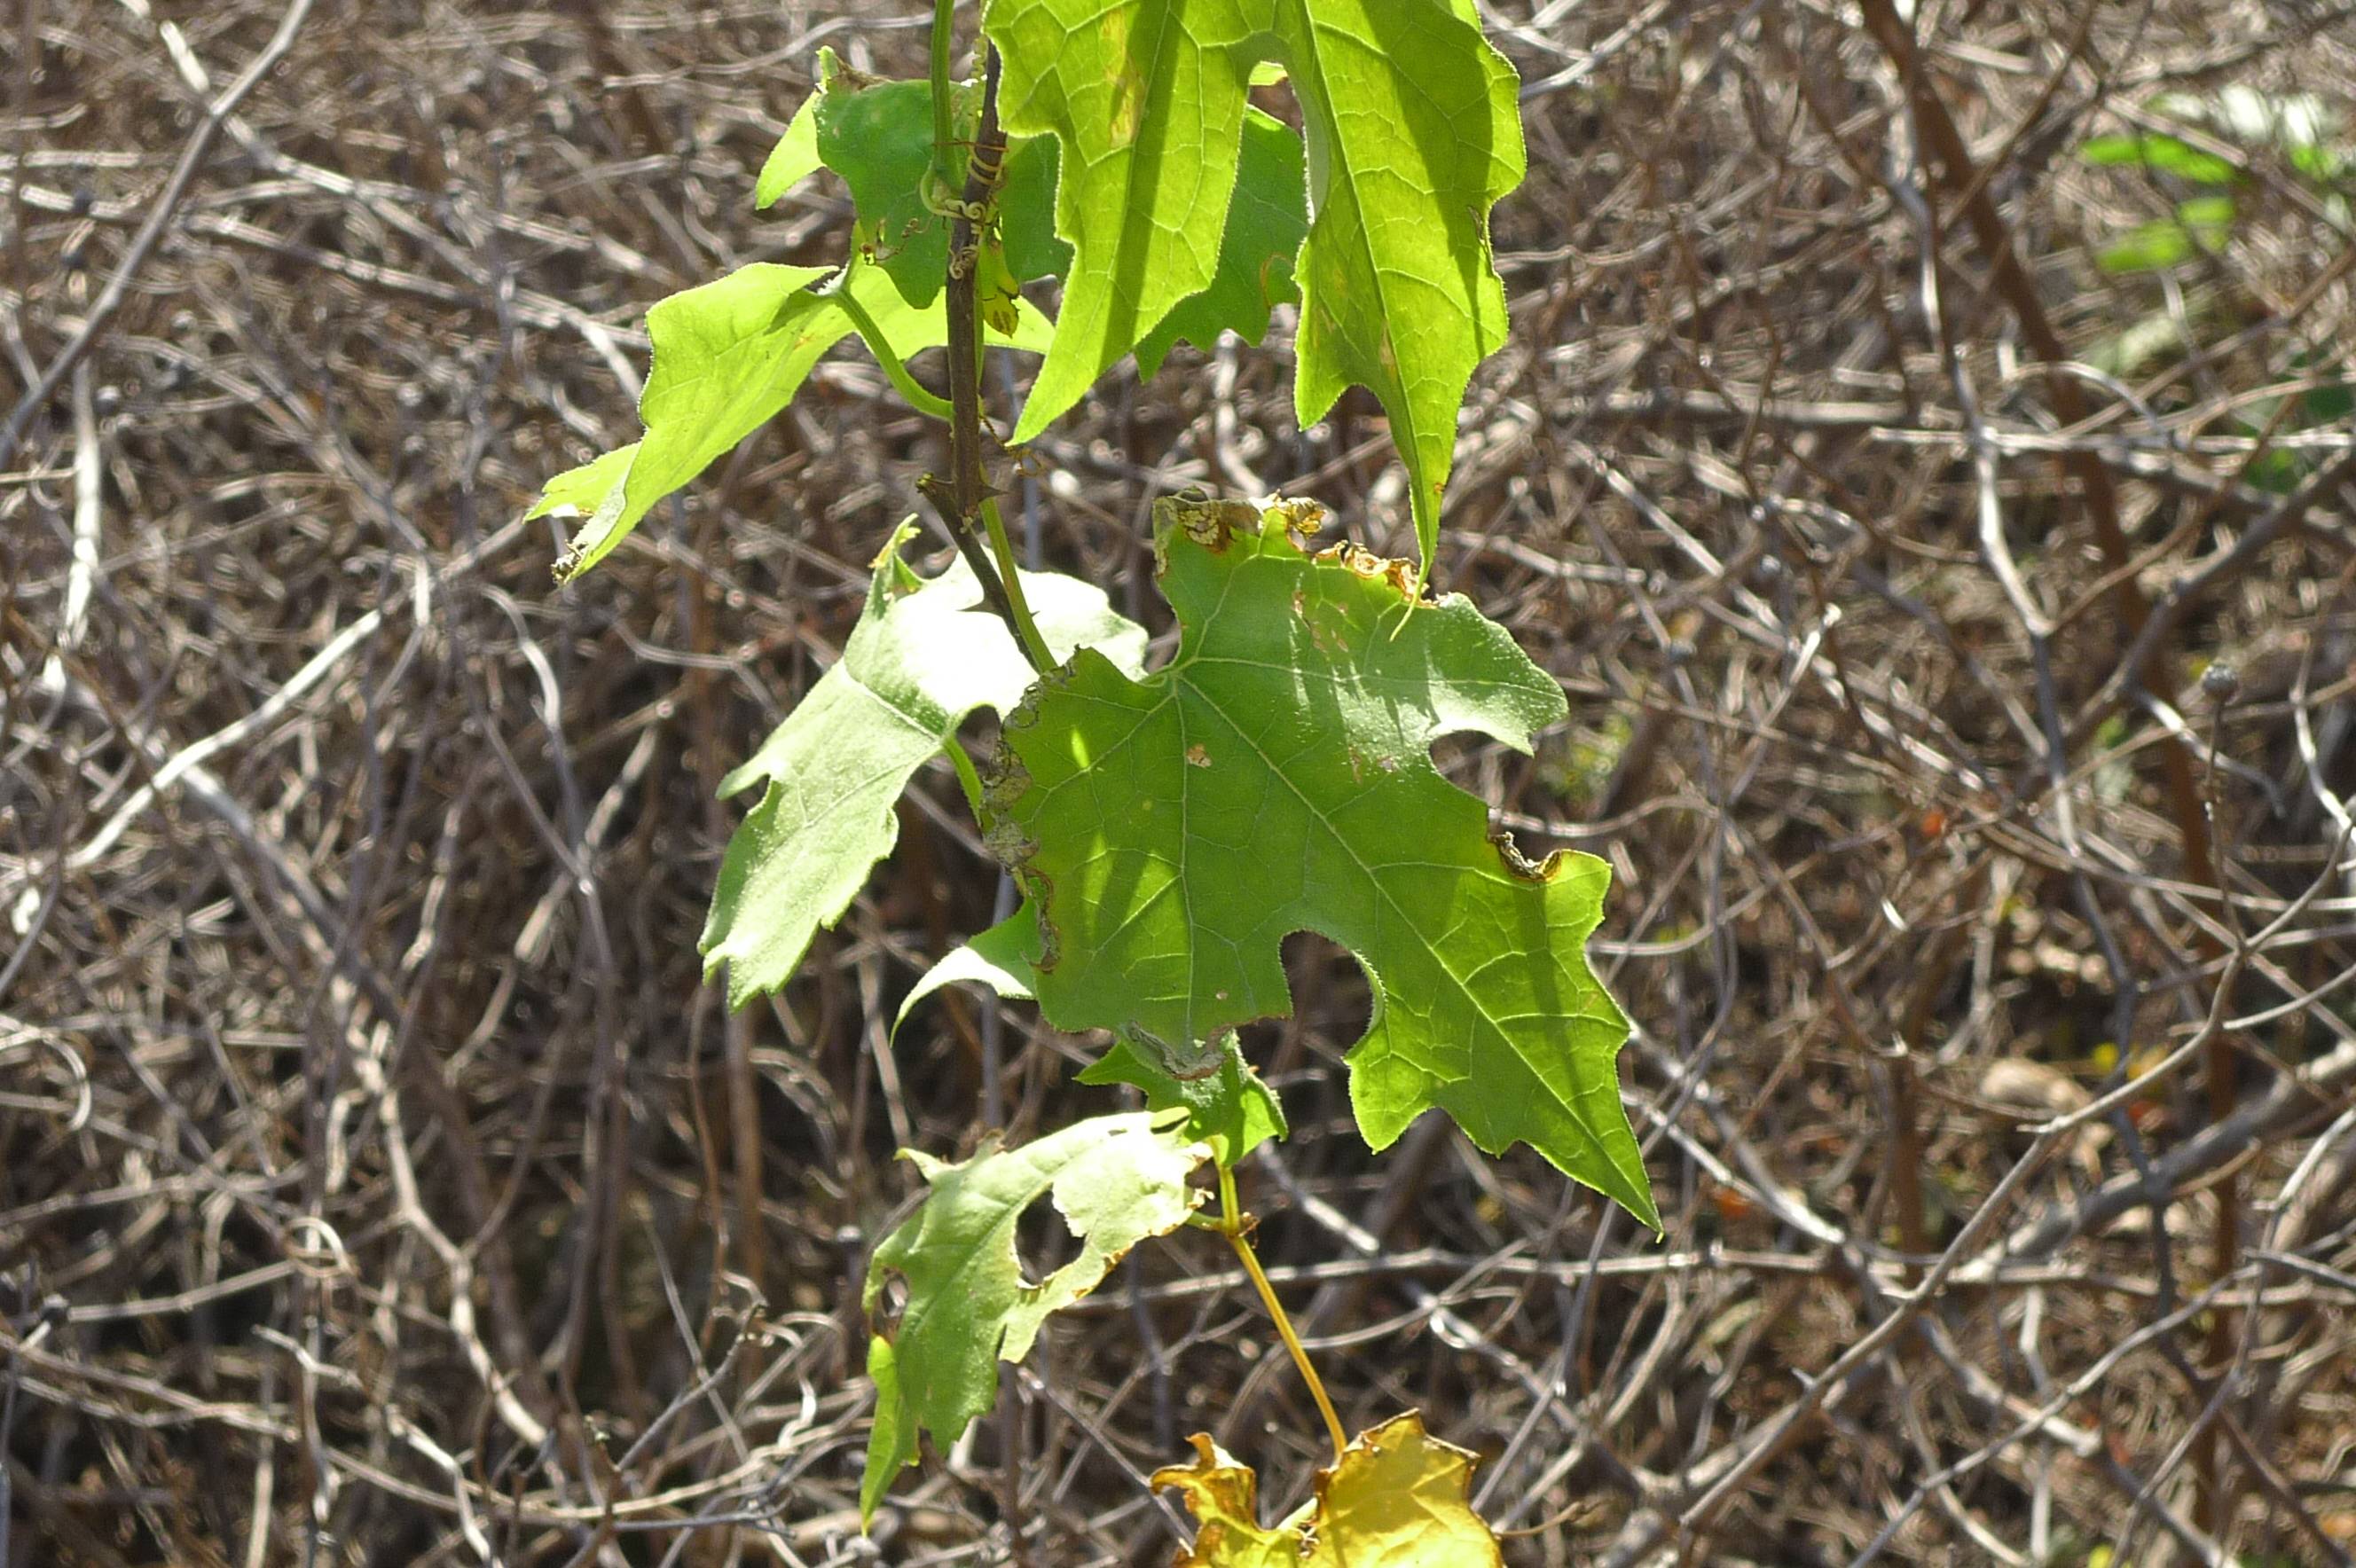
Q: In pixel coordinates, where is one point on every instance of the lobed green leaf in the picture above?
(1276, 776)
(728, 356)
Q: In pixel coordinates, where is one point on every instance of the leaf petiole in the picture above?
(1027, 630)
(968, 778)
(1236, 1226)
(895, 369)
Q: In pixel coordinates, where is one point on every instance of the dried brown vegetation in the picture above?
(1959, 634)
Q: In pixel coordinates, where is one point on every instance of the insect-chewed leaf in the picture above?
(1415, 132)
(1276, 776)
(1397, 1498)
(924, 655)
(1117, 1180)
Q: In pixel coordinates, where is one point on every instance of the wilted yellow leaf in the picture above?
(1397, 1498)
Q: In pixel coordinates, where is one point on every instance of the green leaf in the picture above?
(794, 159)
(1414, 134)
(1229, 1108)
(2148, 247)
(2322, 166)
(921, 659)
(997, 958)
(878, 135)
(728, 356)
(1118, 1180)
(1276, 776)
(2169, 155)
(1231, 1105)
(579, 492)
(1026, 211)
(2208, 217)
(1266, 222)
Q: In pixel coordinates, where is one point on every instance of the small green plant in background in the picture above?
(1168, 826)
(2211, 194)
(2299, 128)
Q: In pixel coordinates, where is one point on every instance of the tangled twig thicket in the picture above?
(1941, 520)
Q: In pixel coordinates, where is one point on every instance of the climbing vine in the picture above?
(1168, 825)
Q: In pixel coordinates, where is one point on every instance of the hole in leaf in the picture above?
(1043, 1240)
(884, 1319)
(1331, 999)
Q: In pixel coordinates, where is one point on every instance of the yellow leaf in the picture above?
(996, 292)
(1397, 1498)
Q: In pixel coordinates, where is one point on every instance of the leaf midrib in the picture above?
(1175, 679)
(1406, 414)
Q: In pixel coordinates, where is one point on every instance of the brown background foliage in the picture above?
(378, 1184)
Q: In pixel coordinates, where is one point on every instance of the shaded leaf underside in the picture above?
(878, 135)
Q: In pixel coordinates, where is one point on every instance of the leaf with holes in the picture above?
(1414, 133)
(923, 656)
(1117, 1180)
(1397, 1498)
(1276, 776)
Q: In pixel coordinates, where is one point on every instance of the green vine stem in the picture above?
(1236, 1226)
